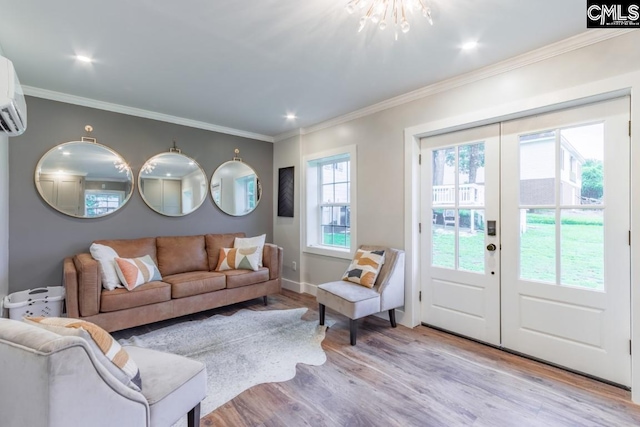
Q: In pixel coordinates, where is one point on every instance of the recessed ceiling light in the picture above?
(66, 153)
(291, 116)
(83, 58)
(191, 163)
(470, 45)
(168, 174)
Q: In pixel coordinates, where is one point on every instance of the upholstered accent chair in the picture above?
(50, 380)
(356, 301)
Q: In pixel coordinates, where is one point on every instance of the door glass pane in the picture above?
(471, 174)
(538, 169)
(471, 240)
(582, 248)
(444, 179)
(443, 238)
(538, 245)
(581, 168)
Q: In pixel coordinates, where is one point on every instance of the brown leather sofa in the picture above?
(189, 283)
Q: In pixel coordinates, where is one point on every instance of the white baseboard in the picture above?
(301, 288)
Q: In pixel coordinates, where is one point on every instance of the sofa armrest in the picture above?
(89, 284)
(272, 259)
(70, 282)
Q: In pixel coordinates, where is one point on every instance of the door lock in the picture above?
(491, 247)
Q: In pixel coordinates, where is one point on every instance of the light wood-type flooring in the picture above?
(418, 377)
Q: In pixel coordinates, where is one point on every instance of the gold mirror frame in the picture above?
(236, 188)
(164, 182)
(79, 177)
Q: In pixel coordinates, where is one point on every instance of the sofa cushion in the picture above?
(181, 254)
(120, 299)
(195, 283)
(239, 278)
(132, 248)
(215, 242)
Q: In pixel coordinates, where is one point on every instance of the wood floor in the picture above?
(419, 377)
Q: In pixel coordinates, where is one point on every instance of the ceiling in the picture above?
(245, 65)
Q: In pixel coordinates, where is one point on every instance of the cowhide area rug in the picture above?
(241, 350)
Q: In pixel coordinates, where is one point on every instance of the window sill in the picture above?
(329, 251)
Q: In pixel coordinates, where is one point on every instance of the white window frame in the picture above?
(311, 218)
(119, 193)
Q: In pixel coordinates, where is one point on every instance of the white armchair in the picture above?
(356, 301)
(49, 380)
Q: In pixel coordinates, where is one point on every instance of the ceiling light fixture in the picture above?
(82, 58)
(291, 116)
(470, 45)
(378, 11)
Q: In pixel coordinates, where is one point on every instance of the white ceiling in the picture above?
(245, 64)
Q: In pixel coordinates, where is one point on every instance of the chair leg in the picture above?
(321, 310)
(265, 300)
(193, 417)
(353, 325)
(392, 317)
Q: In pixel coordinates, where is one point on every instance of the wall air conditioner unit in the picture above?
(13, 107)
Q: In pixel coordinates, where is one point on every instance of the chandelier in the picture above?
(385, 12)
(149, 167)
(121, 166)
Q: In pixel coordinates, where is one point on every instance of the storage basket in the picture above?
(46, 302)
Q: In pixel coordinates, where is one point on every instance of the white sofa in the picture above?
(49, 380)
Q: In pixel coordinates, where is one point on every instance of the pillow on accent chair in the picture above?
(107, 350)
(105, 256)
(238, 259)
(364, 268)
(134, 272)
(249, 242)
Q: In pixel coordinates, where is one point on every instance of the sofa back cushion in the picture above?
(181, 254)
(215, 242)
(132, 248)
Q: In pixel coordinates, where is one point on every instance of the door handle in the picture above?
(491, 247)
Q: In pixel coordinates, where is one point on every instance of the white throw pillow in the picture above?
(105, 255)
(248, 242)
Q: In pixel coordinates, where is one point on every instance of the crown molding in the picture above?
(570, 44)
(287, 135)
(138, 112)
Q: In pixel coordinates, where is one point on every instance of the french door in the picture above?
(557, 287)
(460, 182)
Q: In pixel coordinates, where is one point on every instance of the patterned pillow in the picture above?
(107, 350)
(249, 242)
(238, 259)
(134, 272)
(365, 267)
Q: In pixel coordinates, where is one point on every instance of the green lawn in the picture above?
(337, 239)
(582, 258)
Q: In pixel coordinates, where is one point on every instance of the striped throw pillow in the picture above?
(107, 350)
(134, 272)
(365, 267)
(238, 259)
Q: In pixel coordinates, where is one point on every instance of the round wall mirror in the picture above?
(84, 179)
(235, 188)
(172, 184)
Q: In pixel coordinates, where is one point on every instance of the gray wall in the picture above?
(4, 217)
(40, 237)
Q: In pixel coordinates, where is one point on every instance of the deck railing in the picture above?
(470, 194)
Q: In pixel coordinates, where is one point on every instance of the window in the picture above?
(102, 202)
(330, 202)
